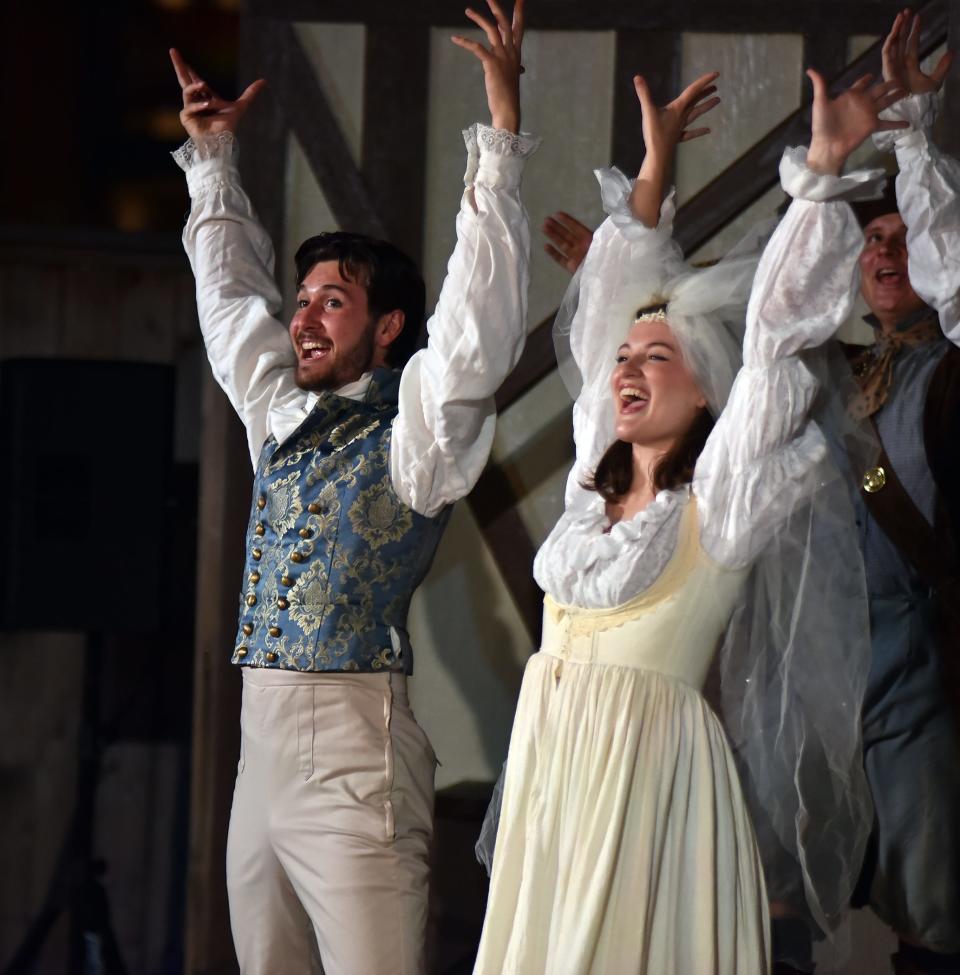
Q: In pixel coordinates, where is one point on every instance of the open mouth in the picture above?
(632, 399)
(312, 350)
(887, 275)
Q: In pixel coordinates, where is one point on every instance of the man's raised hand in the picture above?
(841, 124)
(901, 57)
(501, 62)
(204, 111)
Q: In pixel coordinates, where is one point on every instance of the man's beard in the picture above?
(348, 368)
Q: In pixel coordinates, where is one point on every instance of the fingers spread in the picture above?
(518, 22)
(251, 92)
(940, 71)
(643, 95)
(560, 257)
(694, 91)
(819, 85)
(473, 47)
(185, 74)
(702, 108)
(493, 35)
(506, 35)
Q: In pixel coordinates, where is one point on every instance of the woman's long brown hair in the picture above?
(614, 474)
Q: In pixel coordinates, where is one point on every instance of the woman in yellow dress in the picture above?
(703, 511)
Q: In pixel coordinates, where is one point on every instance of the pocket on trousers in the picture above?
(351, 774)
(241, 761)
(306, 731)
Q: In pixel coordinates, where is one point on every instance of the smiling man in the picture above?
(909, 518)
(360, 446)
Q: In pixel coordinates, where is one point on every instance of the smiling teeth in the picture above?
(631, 392)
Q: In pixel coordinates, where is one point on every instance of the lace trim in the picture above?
(505, 143)
(221, 145)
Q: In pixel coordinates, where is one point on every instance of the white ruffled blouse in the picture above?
(444, 428)
(764, 455)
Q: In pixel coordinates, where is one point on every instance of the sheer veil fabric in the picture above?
(791, 672)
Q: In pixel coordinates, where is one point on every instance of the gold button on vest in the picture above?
(874, 480)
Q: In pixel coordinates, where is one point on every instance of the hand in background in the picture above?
(841, 124)
(204, 111)
(501, 62)
(901, 57)
(569, 240)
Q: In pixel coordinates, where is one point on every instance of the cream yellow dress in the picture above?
(624, 843)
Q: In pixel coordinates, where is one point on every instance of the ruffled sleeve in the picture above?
(764, 455)
(928, 194)
(626, 263)
(444, 430)
(237, 298)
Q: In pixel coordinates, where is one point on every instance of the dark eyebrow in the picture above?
(329, 287)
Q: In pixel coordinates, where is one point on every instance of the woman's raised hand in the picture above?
(501, 62)
(204, 111)
(840, 124)
(901, 57)
(664, 127)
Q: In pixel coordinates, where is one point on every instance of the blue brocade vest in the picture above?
(333, 554)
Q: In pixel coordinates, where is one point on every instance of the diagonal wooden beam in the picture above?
(395, 129)
(755, 172)
(746, 180)
(307, 112)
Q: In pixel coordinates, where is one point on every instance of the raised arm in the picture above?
(764, 455)
(232, 260)
(444, 430)
(928, 184)
(631, 253)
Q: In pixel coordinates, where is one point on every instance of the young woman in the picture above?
(624, 843)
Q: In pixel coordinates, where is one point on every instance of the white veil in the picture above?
(791, 673)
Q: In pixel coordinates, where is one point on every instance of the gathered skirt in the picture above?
(624, 844)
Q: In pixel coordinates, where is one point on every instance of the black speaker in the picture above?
(85, 471)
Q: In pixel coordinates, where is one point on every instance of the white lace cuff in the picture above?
(205, 159)
(919, 110)
(615, 189)
(803, 183)
(496, 157)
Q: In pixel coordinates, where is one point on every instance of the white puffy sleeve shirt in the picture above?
(928, 195)
(763, 455)
(444, 428)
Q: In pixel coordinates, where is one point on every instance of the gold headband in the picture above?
(652, 313)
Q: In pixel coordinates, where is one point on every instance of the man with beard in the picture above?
(909, 388)
(357, 464)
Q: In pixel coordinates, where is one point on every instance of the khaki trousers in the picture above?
(329, 842)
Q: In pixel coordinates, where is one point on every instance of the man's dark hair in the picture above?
(391, 279)
(866, 211)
